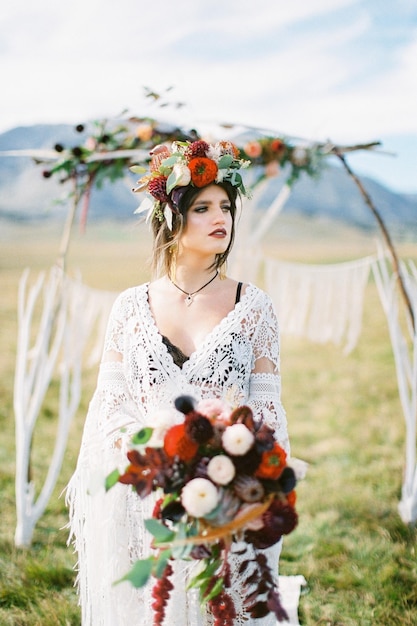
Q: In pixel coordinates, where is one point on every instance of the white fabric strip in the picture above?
(323, 303)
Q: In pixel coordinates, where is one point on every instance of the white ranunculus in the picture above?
(182, 174)
(162, 421)
(237, 439)
(221, 469)
(199, 497)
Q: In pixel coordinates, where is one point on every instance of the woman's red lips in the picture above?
(219, 232)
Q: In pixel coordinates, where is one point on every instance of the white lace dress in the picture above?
(239, 360)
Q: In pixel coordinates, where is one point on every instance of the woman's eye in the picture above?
(226, 209)
(200, 209)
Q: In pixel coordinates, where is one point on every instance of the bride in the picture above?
(191, 331)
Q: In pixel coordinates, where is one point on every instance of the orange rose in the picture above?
(277, 145)
(272, 463)
(177, 443)
(203, 171)
(253, 149)
(144, 132)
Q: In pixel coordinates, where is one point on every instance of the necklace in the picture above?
(190, 296)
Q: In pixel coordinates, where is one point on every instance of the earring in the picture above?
(222, 271)
(173, 249)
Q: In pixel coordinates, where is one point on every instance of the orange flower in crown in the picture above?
(203, 171)
(187, 163)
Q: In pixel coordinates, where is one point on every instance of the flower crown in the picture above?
(187, 163)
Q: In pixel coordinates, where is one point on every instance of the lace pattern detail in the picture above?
(239, 359)
(263, 392)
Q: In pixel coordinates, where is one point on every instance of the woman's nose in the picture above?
(219, 215)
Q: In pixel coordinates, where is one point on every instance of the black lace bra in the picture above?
(178, 356)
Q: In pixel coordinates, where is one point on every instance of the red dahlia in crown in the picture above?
(197, 149)
(157, 187)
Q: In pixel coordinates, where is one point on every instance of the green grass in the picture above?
(344, 418)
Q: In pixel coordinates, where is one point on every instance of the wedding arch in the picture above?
(55, 342)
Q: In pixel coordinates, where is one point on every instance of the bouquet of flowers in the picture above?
(225, 488)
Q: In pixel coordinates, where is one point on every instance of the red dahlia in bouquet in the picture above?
(225, 488)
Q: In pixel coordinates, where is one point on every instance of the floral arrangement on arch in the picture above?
(273, 153)
(104, 153)
(224, 488)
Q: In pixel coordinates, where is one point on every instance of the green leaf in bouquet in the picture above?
(170, 161)
(217, 588)
(169, 497)
(161, 563)
(202, 579)
(140, 573)
(235, 178)
(172, 180)
(225, 161)
(182, 551)
(161, 533)
(143, 436)
(111, 479)
(137, 169)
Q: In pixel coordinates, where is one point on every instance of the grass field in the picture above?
(344, 418)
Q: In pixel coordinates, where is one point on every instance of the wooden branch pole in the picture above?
(268, 218)
(405, 356)
(66, 235)
(385, 233)
(35, 367)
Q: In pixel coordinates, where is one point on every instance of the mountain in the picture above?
(26, 195)
(334, 195)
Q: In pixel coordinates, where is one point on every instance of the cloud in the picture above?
(344, 69)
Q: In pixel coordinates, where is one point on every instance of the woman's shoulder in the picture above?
(255, 294)
(130, 296)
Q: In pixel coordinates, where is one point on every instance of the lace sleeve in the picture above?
(118, 415)
(117, 326)
(265, 379)
(113, 413)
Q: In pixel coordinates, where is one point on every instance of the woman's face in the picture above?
(209, 223)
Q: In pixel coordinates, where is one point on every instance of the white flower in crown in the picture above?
(221, 175)
(237, 439)
(199, 497)
(221, 469)
(182, 174)
(215, 152)
(177, 147)
(146, 206)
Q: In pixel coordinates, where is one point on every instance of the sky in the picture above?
(338, 70)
